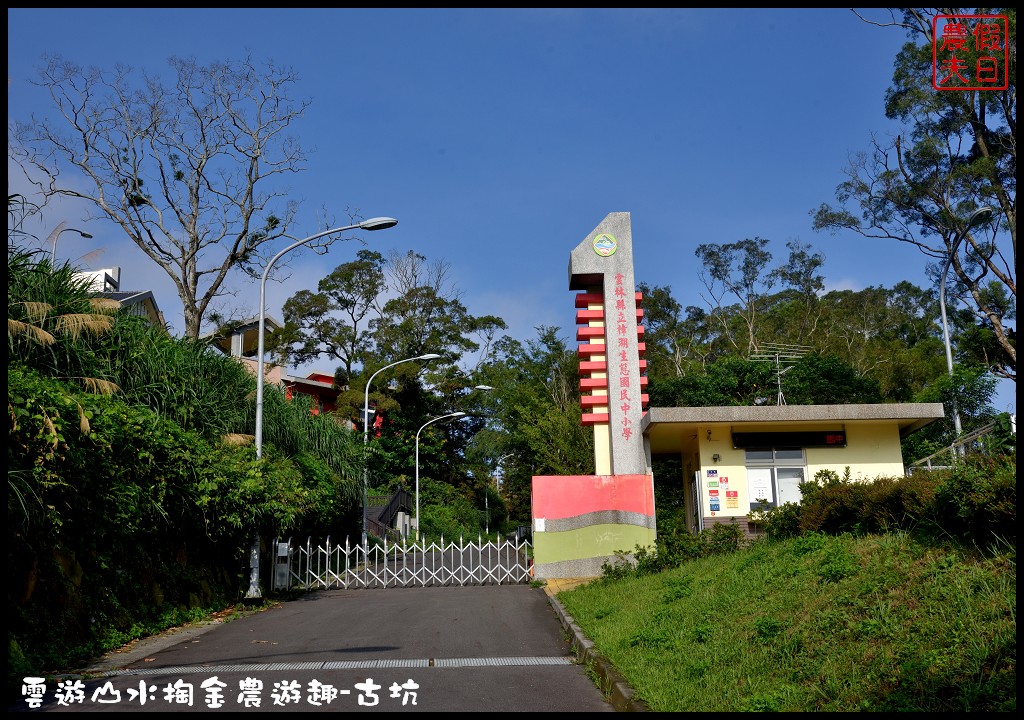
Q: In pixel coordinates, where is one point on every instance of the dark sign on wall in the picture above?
(803, 439)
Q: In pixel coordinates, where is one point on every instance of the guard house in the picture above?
(730, 460)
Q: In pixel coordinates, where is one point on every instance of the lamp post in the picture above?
(428, 422)
(377, 223)
(366, 428)
(53, 255)
(982, 214)
(498, 466)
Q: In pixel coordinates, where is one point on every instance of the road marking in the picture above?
(336, 665)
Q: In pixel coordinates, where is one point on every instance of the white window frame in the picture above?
(783, 489)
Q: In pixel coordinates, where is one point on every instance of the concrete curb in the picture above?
(143, 648)
(611, 683)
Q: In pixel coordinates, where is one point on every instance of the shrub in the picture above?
(779, 522)
(977, 499)
(720, 538)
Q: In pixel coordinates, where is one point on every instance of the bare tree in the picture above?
(184, 169)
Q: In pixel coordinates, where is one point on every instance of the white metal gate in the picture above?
(324, 565)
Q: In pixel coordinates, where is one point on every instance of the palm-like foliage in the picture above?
(51, 317)
(182, 379)
(292, 429)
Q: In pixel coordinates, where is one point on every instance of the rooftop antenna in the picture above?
(784, 358)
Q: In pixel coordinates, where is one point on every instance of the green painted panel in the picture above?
(591, 541)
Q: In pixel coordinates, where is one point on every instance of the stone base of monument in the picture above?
(581, 522)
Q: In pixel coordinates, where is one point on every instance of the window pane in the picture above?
(789, 454)
(788, 481)
(763, 454)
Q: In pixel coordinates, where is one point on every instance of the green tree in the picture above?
(813, 380)
(976, 340)
(727, 381)
(969, 392)
(333, 321)
(801, 275)
(956, 153)
(422, 312)
(535, 423)
(738, 269)
(888, 334)
(675, 342)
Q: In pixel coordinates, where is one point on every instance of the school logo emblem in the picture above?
(605, 245)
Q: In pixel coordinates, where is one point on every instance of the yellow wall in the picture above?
(872, 450)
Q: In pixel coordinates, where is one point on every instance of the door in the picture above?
(788, 481)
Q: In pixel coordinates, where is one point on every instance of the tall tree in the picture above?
(890, 335)
(334, 321)
(535, 415)
(675, 343)
(421, 311)
(956, 154)
(739, 269)
(801, 274)
(184, 169)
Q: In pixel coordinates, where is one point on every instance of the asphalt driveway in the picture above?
(496, 648)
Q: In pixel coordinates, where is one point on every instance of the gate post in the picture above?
(281, 577)
(254, 571)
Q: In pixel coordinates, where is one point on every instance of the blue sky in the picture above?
(499, 138)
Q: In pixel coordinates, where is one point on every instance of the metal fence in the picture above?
(323, 565)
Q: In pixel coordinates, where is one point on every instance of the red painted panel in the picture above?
(588, 401)
(591, 383)
(585, 316)
(591, 349)
(592, 366)
(585, 299)
(585, 333)
(594, 419)
(565, 496)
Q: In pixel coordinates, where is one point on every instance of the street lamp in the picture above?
(498, 466)
(428, 422)
(53, 255)
(366, 427)
(982, 214)
(377, 223)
